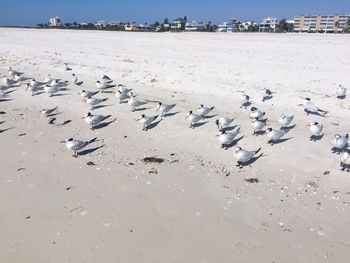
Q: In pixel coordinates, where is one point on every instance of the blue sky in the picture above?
(31, 12)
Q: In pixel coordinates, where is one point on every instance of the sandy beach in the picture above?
(196, 206)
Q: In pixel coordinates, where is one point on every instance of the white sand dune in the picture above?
(196, 206)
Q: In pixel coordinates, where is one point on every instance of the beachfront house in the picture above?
(131, 27)
(244, 26)
(227, 27)
(178, 24)
(54, 21)
(268, 24)
(195, 26)
(321, 24)
(100, 24)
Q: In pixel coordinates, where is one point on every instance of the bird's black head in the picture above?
(253, 109)
(217, 122)
(308, 99)
(190, 112)
(201, 106)
(143, 115)
(70, 139)
(269, 130)
(316, 123)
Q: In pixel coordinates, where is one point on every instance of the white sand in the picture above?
(189, 211)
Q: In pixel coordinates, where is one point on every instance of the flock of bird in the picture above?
(227, 135)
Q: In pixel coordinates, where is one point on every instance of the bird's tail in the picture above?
(105, 99)
(55, 108)
(106, 117)
(258, 150)
(212, 108)
(93, 140)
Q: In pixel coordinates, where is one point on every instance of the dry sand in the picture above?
(196, 206)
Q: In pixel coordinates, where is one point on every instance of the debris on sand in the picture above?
(2, 112)
(252, 180)
(64, 123)
(153, 171)
(153, 160)
(131, 164)
(21, 134)
(326, 172)
(27, 217)
(21, 169)
(90, 163)
(52, 120)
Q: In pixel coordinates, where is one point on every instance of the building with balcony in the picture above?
(54, 21)
(321, 23)
(195, 26)
(268, 24)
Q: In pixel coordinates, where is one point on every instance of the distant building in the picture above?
(54, 21)
(268, 24)
(101, 24)
(326, 24)
(131, 27)
(178, 24)
(244, 26)
(227, 27)
(195, 26)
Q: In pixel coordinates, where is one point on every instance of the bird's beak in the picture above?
(62, 141)
(82, 118)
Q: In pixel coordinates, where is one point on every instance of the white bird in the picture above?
(8, 82)
(244, 100)
(19, 78)
(164, 108)
(258, 125)
(341, 92)
(285, 121)
(13, 73)
(47, 112)
(202, 110)
(106, 79)
(345, 160)
(316, 130)
(134, 103)
(3, 88)
(94, 120)
(146, 120)
(86, 93)
(94, 101)
(48, 79)
(76, 80)
(223, 122)
(51, 89)
(77, 145)
(243, 156)
(103, 86)
(66, 67)
(123, 89)
(32, 89)
(266, 94)
(339, 142)
(274, 135)
(256, 113)
(227, 137)
(193, 118)
(310, 107)
(121, 96)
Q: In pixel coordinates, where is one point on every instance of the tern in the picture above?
(123, 89)
(106, 79)
(227, 137)
(193, 118)
(51, 89)
(341, 92)
(103, 86)
(8, 82)
(266, 94)
(274, 135)
(202, 110)
(75, 80)
(94, 101)
(310, 107)
(94, 120)
(121, 96)
(258, 125)
(256, 113)
(13, 73)
(244, 100)
(243, 156)
(134, 103)
(77, 145)
(48, 112)
(32, 89)
(164, 108)
(87, 94)
(339, 142)
(223, 122)
(316, 130)
(66, 67)
(146, 121)
(19, 78)
(285, 121)
(345, 160)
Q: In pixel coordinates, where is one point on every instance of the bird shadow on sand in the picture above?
(141, 109)
(100, 106)
(339, 150)
(4, 100)
(54, 114)
(199, 124)
(341, 97)
(171, 114)
(233, 143)
(316, 113)
(315, 138)
(246, 105)
(38, 93)
(153, 125)
(209, 116)
(253, 160)
(4, 130)
(104, 124)
(288, 128)
(59, 95)
(230, 128)
(259, 133)
(10, 91)
(267, 98)
(91, 150)
(107, 91)
(280, 141)
(1, 122)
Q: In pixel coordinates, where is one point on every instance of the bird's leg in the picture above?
(75, 155)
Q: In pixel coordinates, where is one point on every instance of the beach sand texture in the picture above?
(196, 206)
